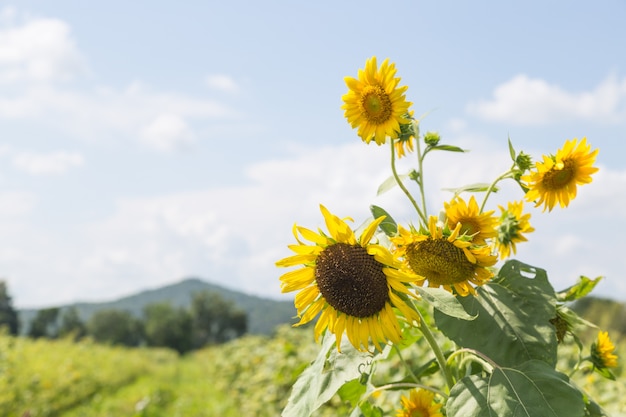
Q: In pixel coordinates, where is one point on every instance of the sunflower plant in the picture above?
(381, 292)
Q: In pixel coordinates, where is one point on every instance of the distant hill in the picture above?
(263, 314)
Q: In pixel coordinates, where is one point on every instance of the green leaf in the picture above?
(367, 410)
(389, 183)
(388, 226)
(532, 389)
(583, 287)
(478, 187)
(445, 302)
(511, 150)
(352, 391)
(514, 313)
(448, 148)
(324, 377)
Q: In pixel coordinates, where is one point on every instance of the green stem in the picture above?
(505, 175)
(406, 365)
(420, 168)
(487, 363)
(441, 360)
(401, 185)
(408, 385)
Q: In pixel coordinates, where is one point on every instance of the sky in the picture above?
(145, 142)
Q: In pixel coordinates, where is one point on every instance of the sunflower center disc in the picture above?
(376, 104)
(557, 179)
(440, 262)
(351, 280)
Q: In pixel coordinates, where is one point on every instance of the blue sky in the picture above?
(144, 142)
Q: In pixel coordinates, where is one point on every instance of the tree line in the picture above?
(208, 320)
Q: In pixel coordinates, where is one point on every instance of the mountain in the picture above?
(263, 314)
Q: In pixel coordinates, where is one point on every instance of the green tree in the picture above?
(44, 324)
(166, 326)
(215, 320)
(8, 315)
(117, 327)
(72, 324)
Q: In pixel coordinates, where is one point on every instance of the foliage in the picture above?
(8, 314)
(116, 327)
(494, 331)
(45, 323)
(167, 326)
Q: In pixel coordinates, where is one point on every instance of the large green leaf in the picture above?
(533, 389)
(325, 376)
(514, 313)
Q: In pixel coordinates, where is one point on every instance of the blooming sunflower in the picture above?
(479, 226)
(443, 258)
(556, 178)
(511, 228)
(374, 103)
(352, 282)
(420, 403)
(602, 355)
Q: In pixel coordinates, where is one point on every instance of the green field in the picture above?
(251, 376)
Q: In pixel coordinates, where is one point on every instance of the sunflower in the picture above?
(479, 226)
(602, 352)
(444, 258)
(556, 178)
(353, 283)
(420, 403)
(511, 228)
(374, 103)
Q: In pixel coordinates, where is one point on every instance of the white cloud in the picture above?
(532, 101)
(40, 49)
(222, 82)
(57, 162)
(233, 235)
(167, 132)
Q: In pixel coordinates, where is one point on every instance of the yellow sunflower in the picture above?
(444, 258)
(511, 228)
(419, 403)
(556, 178)
(352, 283)
(602, 352)
(374, 103)
(479, 226)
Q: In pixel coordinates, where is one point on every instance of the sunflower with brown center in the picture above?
(478, 226)
(444, 258)
(374, 103)
(354, 285)
(555, 179)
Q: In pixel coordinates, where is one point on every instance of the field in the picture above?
(251, 376)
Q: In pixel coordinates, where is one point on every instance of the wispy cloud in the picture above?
(57, 162)
(222, 82)
(532, 101)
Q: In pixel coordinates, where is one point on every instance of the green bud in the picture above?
(523, 161)
(432, 138)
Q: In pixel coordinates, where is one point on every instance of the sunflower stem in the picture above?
(406, 365)
(401, 185)
(420, 168)
(492, 186)
(397, 385)
(475, 356)
(441, 360)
